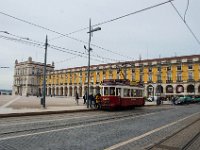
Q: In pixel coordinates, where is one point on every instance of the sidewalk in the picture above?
(11, 106)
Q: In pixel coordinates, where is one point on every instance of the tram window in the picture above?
(126, 92)
(138, 93)
(105, 90)
(112, 90)
(118, 91)
(132, 93)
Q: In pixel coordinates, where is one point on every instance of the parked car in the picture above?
(183, 100)
(152, 98)
(196, 100)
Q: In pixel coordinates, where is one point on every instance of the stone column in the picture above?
(73, 91)
(64, 91)
(68, 91)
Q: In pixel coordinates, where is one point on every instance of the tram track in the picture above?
(181, 143)
(53, 125)
(66, 124)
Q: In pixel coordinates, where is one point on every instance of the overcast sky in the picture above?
(158, 32)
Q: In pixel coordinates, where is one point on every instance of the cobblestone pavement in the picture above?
(34, 102)
(21, 104)
(130, 129)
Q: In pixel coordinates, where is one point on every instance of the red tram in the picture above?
(118, 93)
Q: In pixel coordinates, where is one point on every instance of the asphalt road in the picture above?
(141, 128)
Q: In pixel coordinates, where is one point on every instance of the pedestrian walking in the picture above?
(91, 100)
(76, 98)
(98, 100)
(85, 98)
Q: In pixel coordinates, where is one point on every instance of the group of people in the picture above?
(93, 100)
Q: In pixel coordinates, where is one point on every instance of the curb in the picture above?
(43, 113)
(55, 112)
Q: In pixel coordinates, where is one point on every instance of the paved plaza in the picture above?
(21, 105)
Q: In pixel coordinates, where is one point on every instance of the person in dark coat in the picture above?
(91, 100)
(76, 98)
(85, 98)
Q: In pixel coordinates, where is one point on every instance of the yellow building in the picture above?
(162, 76)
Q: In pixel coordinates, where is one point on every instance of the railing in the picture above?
(168, 81)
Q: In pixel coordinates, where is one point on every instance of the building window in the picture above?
(159, 77)
(179, 76)
(190, 67)
(104, 76)
(32, 71)
(80, 79)
(141, 69)
(190, 75)
(150, 77)
(133, 76)
(169, 76)
(150, 69)
(32, 81)
(168, 68)
(141, 78)
(118, 76)
(110, 76)
(98, 78)
(179, 68)
(159, 68)
(126, 74)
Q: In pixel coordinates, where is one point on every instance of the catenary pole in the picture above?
(89, 49)
(44, 75)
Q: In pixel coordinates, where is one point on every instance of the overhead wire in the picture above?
(39, 26)
(188, 3)
(30, 42)
(117, 18)
(188, 27)
(104, 22)
(22, 41)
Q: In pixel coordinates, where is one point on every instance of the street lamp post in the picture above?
(89, 49)
(44, 75)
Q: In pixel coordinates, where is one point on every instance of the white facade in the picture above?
(26, 77)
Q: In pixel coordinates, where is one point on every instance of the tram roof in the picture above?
(118, 82)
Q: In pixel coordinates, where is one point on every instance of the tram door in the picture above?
(119, 94)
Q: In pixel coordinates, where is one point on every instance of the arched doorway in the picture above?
(57, 91)
(75, 90)
(190, 88)
(80, 91)
(91, 90)
(49, 91)
(40, 92)
(66, 91)
(169, 89)
(150, 91)
(179, 89)
(70, 91)
(159, 90)
(199, 89)
(61, 91)
(53, 91)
